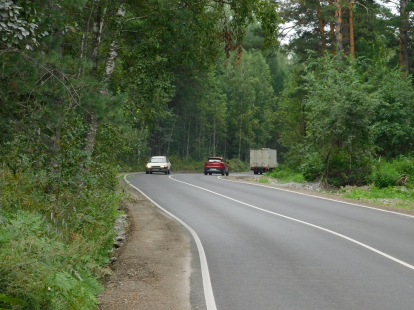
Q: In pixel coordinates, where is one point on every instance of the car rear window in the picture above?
(158, 160)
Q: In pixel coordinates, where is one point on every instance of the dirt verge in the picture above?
(151, 270)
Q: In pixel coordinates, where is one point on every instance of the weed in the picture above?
(284, 175)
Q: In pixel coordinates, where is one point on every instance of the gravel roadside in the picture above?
(151, 270)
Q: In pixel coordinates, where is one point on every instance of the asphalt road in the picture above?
(273, 249)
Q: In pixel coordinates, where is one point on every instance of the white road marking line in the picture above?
(314, 196)
(308, 224)
(208, 290)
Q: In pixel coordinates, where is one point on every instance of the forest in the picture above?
(90, 89)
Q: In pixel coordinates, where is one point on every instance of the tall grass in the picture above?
(56, 229)
(285, 175)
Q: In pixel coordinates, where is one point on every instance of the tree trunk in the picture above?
(92, 120)
(214, 137)
(321, 28)
(338, 32)
(351, 29)
(110, 61)
(404, 59)
(169, 140)
(96, 38)
(188, 142)
(241, 125)
(332, 33)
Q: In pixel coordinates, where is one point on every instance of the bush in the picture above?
(285, 174)
(41, 270)
(179, 164)
(236, 165)
(385, 175)
(405, 167)
(57, 216)
(313, 166)
(348, 169)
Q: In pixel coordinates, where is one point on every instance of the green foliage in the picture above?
(7, 302)
(382, 193)
(237, 165)
(284, 175)
(394, 121)
(42, 271)
(264, 180)
(313, 166)
(181, 165)
(405, 166)
(251, 103)
(57, 216)
(400, 171)
(347, 169)
(385, 175)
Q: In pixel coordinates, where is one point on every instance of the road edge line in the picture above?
(205, 273)
(324, 198)
(366, 246)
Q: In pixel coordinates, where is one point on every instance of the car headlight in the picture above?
(148, 166)
(163, 166)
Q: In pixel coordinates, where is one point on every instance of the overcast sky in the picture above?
(287, 28)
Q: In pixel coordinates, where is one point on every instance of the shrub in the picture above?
(313, 166)
(285, 174)
(405, 166)
(180, 164)
(263, 180)
(57, 215)
(236, 165)
(385, 175)
(42, 271)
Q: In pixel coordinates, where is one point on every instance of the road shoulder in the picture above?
(152, 269)
(315, 193)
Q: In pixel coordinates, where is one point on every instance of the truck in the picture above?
(262, 160)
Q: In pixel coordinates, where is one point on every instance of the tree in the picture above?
(339, 109)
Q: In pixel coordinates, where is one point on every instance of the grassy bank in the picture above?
(383, 188)
(56, 236)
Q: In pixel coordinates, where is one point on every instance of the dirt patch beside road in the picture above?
(152, 269)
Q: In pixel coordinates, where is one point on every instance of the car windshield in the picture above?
(214, 160)
(158, 160)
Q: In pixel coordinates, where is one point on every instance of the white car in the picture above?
(158, 164)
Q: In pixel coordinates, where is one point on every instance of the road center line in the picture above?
(319, 197)
(306, 223)
(208, 290)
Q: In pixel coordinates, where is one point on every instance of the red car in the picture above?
(216, 165)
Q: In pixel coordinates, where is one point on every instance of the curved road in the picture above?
(273, 249)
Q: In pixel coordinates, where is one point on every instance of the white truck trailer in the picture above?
(262, 160)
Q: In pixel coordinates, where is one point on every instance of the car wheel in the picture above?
(222, 172)
(210, 173)
(166, 172)
(169, 171)
(205, 172)
(146, 172)
(150, 172)
(255, 172)
(228, 171)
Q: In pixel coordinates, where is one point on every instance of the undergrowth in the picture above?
(57, 213)
(285, 175)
